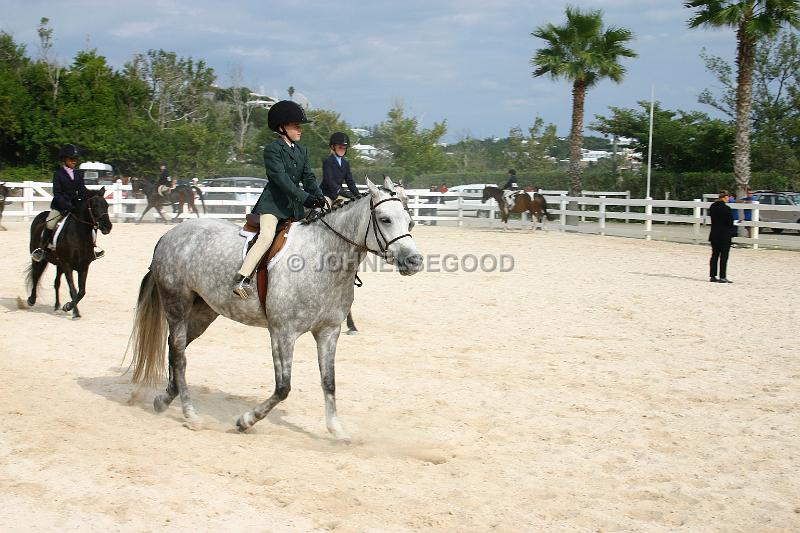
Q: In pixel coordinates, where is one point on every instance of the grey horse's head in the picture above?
(393, 223)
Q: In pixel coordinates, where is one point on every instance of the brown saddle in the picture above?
(253, 225)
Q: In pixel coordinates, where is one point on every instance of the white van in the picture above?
(96, 173)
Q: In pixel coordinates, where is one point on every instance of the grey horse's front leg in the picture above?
(326, 355)
(282, 355)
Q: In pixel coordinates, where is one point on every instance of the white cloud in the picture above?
(257, 53)
(137, 29)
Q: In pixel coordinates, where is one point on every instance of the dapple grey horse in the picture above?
(310, 289)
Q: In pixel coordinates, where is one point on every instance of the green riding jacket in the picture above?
(286, 168)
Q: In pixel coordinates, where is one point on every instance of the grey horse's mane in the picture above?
(317, 214)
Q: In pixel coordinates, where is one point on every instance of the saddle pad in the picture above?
(510, 198)
(282, 235)
(59, 227)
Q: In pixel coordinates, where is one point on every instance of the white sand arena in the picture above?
(604, 384)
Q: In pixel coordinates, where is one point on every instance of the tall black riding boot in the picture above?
(38, 254)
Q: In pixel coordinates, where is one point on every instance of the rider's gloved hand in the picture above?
(313, 201)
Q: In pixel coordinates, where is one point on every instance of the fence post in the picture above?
(602, 215)
(697, 213)
(563, 217)
(460, 211)
(754, 221)
(627, 206)
(117, 201)
(666, 209)
(27, 200)
(648, 218)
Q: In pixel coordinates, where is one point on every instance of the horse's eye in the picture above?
(386, 220)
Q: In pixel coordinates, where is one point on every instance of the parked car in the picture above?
(471, 200)
(256, 184)
(767, 198)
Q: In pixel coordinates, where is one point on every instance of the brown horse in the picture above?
(523, 203)
(177, 197)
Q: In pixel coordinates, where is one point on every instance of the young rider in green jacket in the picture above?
(291, 186)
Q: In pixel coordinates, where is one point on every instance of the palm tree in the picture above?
(583, 52)
(753, 20)
(290, 90)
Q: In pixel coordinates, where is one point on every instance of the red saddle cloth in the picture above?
(281, 234)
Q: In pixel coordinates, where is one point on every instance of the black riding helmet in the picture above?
(339, 138)
(285, 112)
(68, 150)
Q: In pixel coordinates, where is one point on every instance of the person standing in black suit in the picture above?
(68, 189)
(720, 237)
(336, 170)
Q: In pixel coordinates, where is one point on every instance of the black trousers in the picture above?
(719, 255)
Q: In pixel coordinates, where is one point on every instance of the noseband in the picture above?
(376, 230)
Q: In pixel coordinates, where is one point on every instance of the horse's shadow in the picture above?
(669, 276)
(19, 304)
(222, 406)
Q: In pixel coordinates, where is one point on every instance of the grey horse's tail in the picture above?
(149, 336)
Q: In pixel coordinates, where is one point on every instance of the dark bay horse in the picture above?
(3, 202)
(74, 249)
(180, 195)
(536, 206)
(190, 282)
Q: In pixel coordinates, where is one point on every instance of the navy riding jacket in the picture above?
(67, 192)
(333, 175)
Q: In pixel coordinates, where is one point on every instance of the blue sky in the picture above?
(460, 60)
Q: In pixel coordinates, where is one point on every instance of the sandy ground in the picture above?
(603, 384)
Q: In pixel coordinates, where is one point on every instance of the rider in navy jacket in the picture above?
(68, 189)
(336, 169)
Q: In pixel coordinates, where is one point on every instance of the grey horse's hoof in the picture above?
(352, 332)
(245, 422)
(159, 405)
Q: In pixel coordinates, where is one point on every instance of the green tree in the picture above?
(416, 150)
(775, 114)
(686, 141)
(178, 86)
(531, 152)
(583, 52)
(14, 97)
(753, 21)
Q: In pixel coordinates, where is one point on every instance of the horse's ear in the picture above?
(373, 190)
(387, 182)
(101, 191)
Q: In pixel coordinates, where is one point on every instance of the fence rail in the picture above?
(599, 212)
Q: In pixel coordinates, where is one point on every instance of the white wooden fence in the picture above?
(600, 212)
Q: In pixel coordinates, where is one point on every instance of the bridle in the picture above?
(376, 230)
(95, 221)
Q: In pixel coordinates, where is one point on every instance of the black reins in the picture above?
(376, 230)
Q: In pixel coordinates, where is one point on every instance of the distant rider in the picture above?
(511, 184)
(165, 183)
(336, 170)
